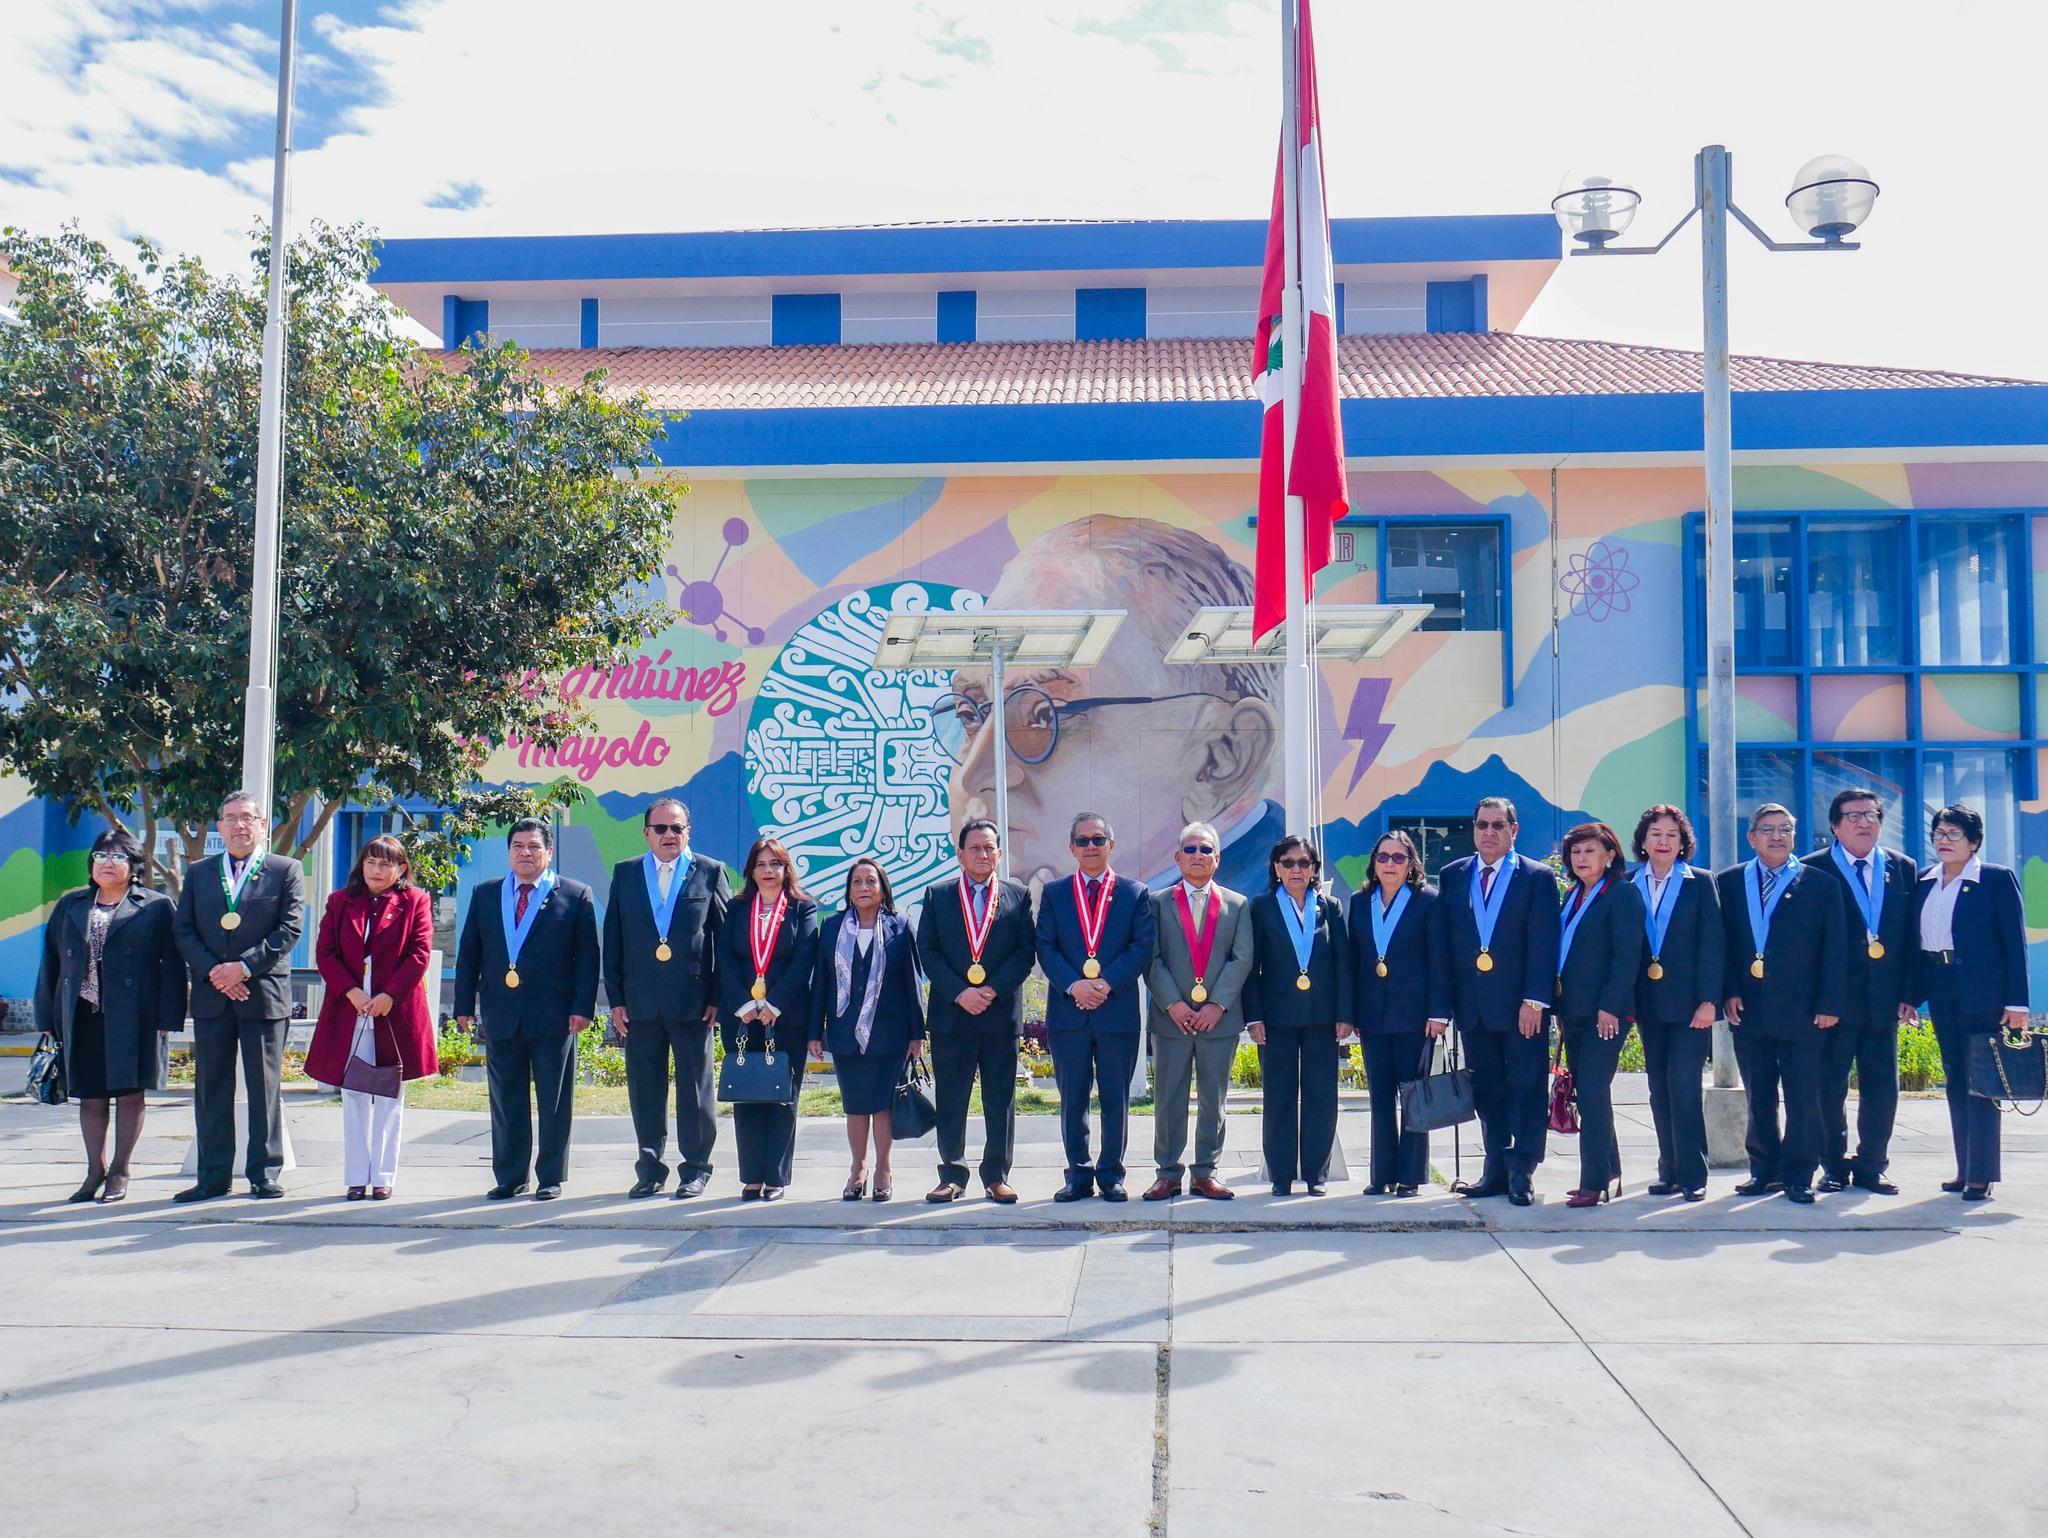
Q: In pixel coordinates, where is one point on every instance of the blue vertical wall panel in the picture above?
(956, 314)
(805, 320)
(1109, 314)
(589, 337)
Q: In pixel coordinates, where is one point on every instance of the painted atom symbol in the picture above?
(1599, 582)
(702, 602)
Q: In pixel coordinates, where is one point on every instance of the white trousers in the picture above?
(369, 1128)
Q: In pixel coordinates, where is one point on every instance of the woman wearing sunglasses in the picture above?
(1297, 1003)
(1401, 960)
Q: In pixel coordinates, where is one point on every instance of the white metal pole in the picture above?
(998, 710)
(259, 715)
(1297, 696)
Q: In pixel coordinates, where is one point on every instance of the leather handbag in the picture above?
(2010, 1066)
(1437, 1100)
(753, 1075)
(385, 1081)
(46, 1072)
(1564, 1094)
(911, 1113)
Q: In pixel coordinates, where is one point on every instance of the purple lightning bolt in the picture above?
(1365, 727)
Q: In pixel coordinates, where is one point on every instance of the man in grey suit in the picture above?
(1199, 967)
(239, 915)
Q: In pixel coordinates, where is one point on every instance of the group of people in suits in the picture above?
(1814, 964)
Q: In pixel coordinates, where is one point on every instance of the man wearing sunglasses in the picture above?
(1198, 971)
(1505, 924)
(1095, 940)
(661, 926)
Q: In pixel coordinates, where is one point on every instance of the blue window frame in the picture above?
(1940, 601)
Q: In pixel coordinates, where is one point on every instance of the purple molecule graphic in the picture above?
(702, 602)
(1599, 582)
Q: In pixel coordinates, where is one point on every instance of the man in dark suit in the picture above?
(1095, 940)
(978, 944)
(661, 926)
(529, 954)
(1880, 898)
(1786, 981)
(239, 916)
(1503, 911)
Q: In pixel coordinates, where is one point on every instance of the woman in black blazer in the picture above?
(1401, 970)
(768, 946)
(1678, 994)
(867, 1007)
(1297, 1014)
(1973, 974)
(1599, 945)
(111, 984)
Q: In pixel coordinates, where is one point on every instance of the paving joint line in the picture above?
(1162, 1404)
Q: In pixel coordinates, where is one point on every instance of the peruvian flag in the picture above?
(1317, 472)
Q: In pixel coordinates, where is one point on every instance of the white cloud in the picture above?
(515, 116)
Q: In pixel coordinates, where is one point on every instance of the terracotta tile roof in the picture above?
(1398, 367)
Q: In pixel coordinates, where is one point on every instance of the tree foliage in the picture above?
(448, 532)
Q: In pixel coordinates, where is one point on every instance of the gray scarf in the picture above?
(886, 925)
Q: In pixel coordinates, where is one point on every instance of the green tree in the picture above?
(451, 534)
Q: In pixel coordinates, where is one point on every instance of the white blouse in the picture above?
(1938, 913)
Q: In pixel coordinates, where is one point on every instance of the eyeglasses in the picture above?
(1032, 718)
(1491, 827)
(1392, 857)
(1295, 862)
(1774, 830)
(110, 857)
(1863, 817)
(241, 817)
(1197, 848)
(1090, 840)
(668, 827)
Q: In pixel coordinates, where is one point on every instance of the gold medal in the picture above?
(231, 920)
(760, 988)
(1656, 970)
(512, 977)
(1877, 950)
(1380, 966)
(1301, 982)
(1091, 968)
(1199, 993)
(976, 975)
(1485, 962)
(1756, 967)
(662, 952)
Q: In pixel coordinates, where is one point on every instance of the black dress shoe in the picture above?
(265, 1190)
(506, 1193)
(1316, 1188)
(1759, 1188)
(1875, 1184)
(1976, 1193)
(1074, 1191)
(694, 1186)
(210, 1193)
(1799, 1194)
(1950, 1186)
(1283, 1188)
(1520, 1191)
(644, 1188)
(1113, 1191)
(547, 1193)
(1377, 1189)
(1696, 1196)
(1404, 1190)
(1834, 1183)
(750, 1193)
(1663, 1188)
(1478, 1190)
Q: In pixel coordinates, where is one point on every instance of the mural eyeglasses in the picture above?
(1032, 718)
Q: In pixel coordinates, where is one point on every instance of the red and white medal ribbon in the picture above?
(761, 939)
(1091, 924)
(977, 933)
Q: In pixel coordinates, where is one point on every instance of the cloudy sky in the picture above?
(155, 118)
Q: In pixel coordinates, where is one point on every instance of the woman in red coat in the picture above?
(375, 941)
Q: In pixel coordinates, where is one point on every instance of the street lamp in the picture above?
(1830, 200)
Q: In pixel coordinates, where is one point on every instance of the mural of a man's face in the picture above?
(1152, 747)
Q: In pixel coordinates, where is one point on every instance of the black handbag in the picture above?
(46, 1072)
(1439, 1100)
(911, 1113)
(757, 1075)
(2010, 1066)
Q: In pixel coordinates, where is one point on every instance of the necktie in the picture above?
(668, 876)
(1201, 904)
(525, 896)
(1094, 890)
(1485, 883)
(1766, 880)
(1863, 875)
(980, 903)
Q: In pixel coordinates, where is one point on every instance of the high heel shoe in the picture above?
(882, 1192)
(1976, 1193)
(1585, 1198)
(89, 1190)
(357, 1193)
(112, 1192)
(1953, 1187)
(856, 1190)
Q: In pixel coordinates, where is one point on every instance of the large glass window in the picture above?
(1965, 592)
(1761, 774)
(1455, 568)
(1984, 778)
(1853, 600)
(1764, 594)
(1888, 773)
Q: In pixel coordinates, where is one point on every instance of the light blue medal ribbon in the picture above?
(1657, 916)
(1870, 904)
(1301, 929)
(1575, 917)
(1385, 920)
(1486, 911)
(515, 934)
(1759, 911)
(664, 911)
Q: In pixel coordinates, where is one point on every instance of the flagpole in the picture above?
(1297, 699)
